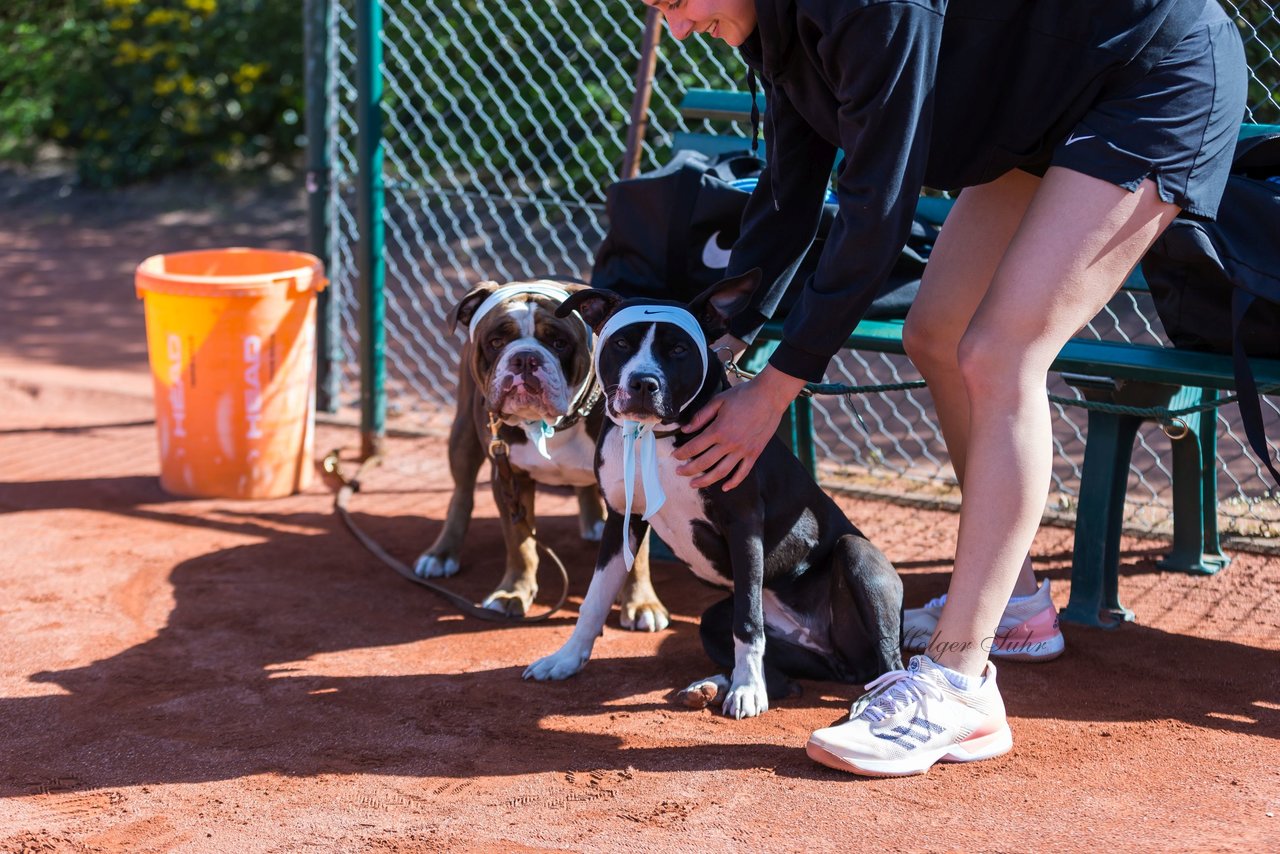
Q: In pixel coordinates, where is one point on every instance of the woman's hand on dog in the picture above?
(739, 422)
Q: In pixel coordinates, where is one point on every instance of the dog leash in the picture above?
(341, 501)
(743, 374)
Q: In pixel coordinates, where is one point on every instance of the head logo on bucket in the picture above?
(177, 398)
(253, 385)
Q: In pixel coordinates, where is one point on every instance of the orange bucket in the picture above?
(231, 340)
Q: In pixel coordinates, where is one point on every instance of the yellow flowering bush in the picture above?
(137, 88)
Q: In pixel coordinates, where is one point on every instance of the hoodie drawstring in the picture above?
(754, 86)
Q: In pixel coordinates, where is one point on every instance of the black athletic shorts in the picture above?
(1177, 126)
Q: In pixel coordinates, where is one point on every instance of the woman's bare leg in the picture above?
(960, 270)
(1078, 240)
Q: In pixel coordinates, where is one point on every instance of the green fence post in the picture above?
(315, 38)
(369, 202)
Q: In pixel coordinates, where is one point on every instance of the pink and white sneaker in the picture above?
(910, 719)
(1028, 629)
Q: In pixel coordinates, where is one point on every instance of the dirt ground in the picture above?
(210, 675)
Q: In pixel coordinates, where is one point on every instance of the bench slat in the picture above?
(718, 105)
(1118, 359)
(1159, 364)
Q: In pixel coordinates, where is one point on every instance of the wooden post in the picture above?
(644, 89)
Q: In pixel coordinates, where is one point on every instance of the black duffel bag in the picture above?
(670, 232)
(1216, 285)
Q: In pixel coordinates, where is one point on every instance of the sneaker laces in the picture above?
(936, 602)
(892, 693)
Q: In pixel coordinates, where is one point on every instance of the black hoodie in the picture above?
(915, 93)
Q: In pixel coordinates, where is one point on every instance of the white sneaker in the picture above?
(910, 719)
(1028, 629)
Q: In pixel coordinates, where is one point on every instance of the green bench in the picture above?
(1127, 374)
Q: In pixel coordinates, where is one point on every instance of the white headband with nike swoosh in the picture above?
(503, 293)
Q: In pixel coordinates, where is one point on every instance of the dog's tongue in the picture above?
(527, 384)
(522, 399)
(524, 386)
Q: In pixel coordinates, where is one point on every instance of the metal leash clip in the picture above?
(1176, 429)
(497, 447)
(734, 368)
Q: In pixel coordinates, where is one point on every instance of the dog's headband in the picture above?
(657, 314)
(506, 291)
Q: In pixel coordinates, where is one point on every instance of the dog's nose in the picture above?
(643, 384)
(525, 363)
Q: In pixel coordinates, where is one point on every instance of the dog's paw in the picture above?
(559, 665)
(592, 532)
(746, 701)
(705, 692)
(509, 603)
(435, 566)
(645, 616)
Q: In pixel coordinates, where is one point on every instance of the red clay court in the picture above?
(211, 675)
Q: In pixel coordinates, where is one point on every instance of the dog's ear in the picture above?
(466, 307)
(715, 306)
(593, 304)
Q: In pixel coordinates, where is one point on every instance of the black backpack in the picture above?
(670, 232)
(1216, 285)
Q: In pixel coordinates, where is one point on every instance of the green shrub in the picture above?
(137, 88)
(30, 74)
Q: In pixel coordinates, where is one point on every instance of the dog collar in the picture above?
(506, 291)
(658, 314)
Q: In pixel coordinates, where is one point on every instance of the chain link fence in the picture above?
(503, 123)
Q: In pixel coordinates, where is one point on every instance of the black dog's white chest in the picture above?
(684, 507)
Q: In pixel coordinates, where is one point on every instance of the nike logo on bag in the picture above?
(1071, 140)
(713, 257)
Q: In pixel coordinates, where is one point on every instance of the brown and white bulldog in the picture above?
(528, 373)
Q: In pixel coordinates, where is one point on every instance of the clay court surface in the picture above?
(209, 675)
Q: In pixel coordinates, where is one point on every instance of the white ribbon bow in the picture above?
(538, 432)
(634, 433)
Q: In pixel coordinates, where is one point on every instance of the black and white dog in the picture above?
(812, 597)
(526, 373)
